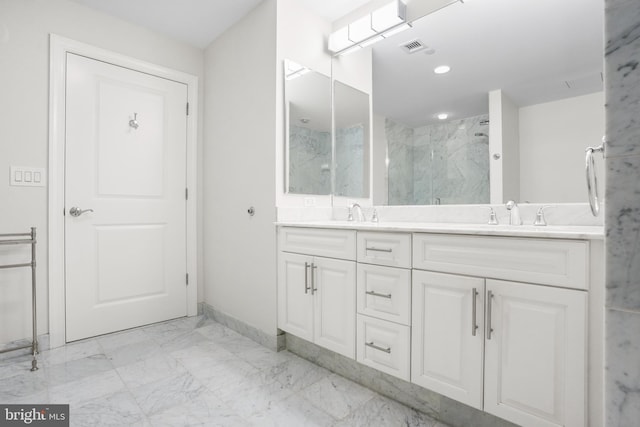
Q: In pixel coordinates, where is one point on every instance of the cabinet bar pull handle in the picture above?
(313, 279)
(474, 323)
(372, 345)
(489, 300)
(306, 278)
(375, 294)
(389, 250)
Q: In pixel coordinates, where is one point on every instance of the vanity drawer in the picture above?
(384, 292)
(392, 249)
(544, 261)
(323, 242)
(384, 346)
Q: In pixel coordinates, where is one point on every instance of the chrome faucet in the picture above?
(361, 217)
(514, 213)
(540, 219)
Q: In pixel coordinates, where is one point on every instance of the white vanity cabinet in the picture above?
(497, 322)
(535, 354)
(317, 294)
(384, 302)
(448, 335)
(513, 349)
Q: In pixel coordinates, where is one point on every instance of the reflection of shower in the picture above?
(481, 134)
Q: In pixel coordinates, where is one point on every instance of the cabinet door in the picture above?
(446, 352)
(295, 302)
(535, 356)
(335, 305)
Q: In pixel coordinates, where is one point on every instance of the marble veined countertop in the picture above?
(547, 232)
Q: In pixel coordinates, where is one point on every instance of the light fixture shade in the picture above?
(361, 29)
(388, 16)
(396, 30)
(293, 69)
(371, 40)
(369, 29)
(339, 40)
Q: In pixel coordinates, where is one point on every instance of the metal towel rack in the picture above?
(25, 239)
(592, 177)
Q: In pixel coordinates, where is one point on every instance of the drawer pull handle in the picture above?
(375, 294)
(489, 327)
(306, 278)
(474, 323)
(388, 250)
(372, 345)
(313, 279)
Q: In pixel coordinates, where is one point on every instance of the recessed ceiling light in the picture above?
(443, 116)
(442, 69)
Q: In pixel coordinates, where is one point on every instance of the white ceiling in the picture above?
(196, 22)
(199, 22)
(527, 48)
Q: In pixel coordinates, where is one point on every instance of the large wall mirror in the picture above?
(352, 139)
(523, 74)
(308, 130)
(327, 150)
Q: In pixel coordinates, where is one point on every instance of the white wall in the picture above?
(504, 142)
(302, 38)
(239, 152)
(553, 139)
(24, 87)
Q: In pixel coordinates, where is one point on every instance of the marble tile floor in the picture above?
(193, 372)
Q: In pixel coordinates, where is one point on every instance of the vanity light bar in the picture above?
(383, 22)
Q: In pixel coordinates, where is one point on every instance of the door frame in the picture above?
(58, 49)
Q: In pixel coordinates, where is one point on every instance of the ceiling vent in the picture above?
(413, 46)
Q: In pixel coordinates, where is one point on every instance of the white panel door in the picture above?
(334, 288)
(125, 160)
(447, 340)
(535, 356)
(295, 302)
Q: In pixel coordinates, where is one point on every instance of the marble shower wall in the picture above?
(443, 163)
(309, 161)
(350, 161)
(400, 154)
(622, 213)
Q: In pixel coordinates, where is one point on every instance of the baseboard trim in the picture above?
(272, 342)
(435, 405)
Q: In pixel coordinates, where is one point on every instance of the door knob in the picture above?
(76, 211)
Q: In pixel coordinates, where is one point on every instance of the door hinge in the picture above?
(187, 108)
(186, 194)
(187, 281)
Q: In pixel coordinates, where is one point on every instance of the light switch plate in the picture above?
(23, 176)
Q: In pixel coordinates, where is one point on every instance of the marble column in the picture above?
(622, 213)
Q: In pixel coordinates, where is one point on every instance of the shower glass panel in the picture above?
(443, 163)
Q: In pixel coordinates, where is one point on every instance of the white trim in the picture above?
(59, 47)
